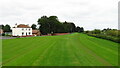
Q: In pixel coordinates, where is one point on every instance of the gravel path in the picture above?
(3, 37)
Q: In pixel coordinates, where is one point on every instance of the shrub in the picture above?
(3, 34)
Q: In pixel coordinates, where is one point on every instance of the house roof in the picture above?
(23, 26)
(35, 31)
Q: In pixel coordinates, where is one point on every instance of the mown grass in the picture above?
(66, 50)
(0, 52)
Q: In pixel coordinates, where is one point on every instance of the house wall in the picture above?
(21, 31)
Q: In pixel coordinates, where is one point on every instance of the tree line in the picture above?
(50, 25)
(53, 25)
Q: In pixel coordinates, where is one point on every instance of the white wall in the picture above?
(18, 31)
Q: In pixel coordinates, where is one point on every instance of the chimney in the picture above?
(16, 25)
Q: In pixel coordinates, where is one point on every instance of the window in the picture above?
(22, 29)
(29, 29)
(26, 33)
(22, 33)
(29, 33)
(26, 28)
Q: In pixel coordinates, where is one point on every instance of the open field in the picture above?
(65, 50)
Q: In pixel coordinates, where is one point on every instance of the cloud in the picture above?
(90, 14)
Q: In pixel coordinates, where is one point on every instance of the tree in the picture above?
(69, 26)
(96, 31)
(53, 25)
(50, 25)
(7, 28)
(79, 29)
(34, 26)
(87, 31)
(44, 25)
(1, 26)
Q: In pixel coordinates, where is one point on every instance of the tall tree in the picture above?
(44, 24)
(7, 28)
(54, 24)
(1, 26)
(69, 26)
(34, 26)
(79, 29)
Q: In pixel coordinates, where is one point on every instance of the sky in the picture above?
(90, 14)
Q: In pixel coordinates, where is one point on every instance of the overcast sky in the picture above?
(90, 14)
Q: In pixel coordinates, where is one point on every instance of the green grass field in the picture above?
(65, 50)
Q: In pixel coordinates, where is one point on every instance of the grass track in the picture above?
(66, 50)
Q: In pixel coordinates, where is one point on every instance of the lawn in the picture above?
(65, 50)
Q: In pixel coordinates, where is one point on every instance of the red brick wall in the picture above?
(60, 33)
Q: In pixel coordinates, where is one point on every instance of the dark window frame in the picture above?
(29, 33)
(22, 33)
(26, 33)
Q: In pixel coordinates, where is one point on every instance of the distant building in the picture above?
(21, 30)
(36, 33)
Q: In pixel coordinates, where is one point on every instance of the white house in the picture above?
(21, 30)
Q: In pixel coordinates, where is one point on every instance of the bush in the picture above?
(108, 34)
(3, 34)
(111, 38)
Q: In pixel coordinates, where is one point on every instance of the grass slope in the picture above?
(66, 50)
